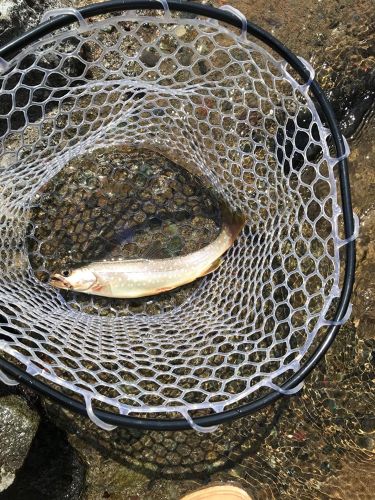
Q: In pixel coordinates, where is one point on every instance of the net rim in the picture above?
(340, 315)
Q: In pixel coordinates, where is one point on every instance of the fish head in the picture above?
(79, 280)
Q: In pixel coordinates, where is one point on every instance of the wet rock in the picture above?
(363, 193)
(337, 38)
(18, 16)
(127, 463)
(107, 478)
(52, 469)
(18, 425)
(353, 106)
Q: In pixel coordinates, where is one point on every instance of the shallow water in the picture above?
(316, 445)
(321, 443)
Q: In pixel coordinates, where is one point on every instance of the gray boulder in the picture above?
(18, 16)
(18, 425)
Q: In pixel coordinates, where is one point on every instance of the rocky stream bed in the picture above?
(319, 444)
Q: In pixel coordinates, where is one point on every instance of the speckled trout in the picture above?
(144, 277)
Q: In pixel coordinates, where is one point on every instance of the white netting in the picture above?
(228, 111)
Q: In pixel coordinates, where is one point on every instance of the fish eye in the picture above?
(65, 273)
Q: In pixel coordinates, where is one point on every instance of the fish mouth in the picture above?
(59, 281)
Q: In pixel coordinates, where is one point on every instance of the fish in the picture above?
(129, 279)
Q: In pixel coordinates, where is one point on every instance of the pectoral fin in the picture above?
(166, 289)
(216, 263)
(97, 288)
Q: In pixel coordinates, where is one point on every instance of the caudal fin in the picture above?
(233, 222)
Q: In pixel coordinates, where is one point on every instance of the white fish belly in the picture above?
(141, 284)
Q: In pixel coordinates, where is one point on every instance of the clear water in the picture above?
(317, 445)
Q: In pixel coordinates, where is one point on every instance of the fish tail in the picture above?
(233, 222)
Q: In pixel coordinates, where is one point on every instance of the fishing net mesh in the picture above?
(229, 112)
